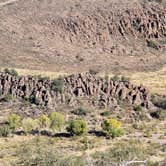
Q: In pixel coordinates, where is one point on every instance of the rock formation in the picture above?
(110, 23)
(99, 92)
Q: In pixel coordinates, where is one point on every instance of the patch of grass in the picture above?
(39, 152)
(121, 152)
(4, 130)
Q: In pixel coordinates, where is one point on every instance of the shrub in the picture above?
(159, 101)
(4, 130)
(12, 72)
(125, 79)
(115, 78)
(112, 128)
(30, 125)
(57, 85)
(14, 121)
(106, 113)
(138, 108)
(160, 114)
(77, 127)
(152, 44)
(32, 99)
(93, 71)
(80, 111)
(44, 121)
(56, 121)
(7, 98)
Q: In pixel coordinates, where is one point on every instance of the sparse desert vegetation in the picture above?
(82, 83)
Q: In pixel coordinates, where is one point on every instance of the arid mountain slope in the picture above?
(78, 35)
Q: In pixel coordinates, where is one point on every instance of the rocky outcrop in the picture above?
(107, 24)
(77, 87)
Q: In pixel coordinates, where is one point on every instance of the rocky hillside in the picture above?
(70, 35)
(110, 22)
(71, 90)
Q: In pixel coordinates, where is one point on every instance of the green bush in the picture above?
(57, 85)
(12, 72)
(44, 121)
(57, 121)
(14, 121)
(138, 108)
(77, 127)
(4, 130)
(112, 128)
(106, 113)
(80, 111)
(152, 44)
(30, 125)
(32, 99)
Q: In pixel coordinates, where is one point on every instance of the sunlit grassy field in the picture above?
(155, 81)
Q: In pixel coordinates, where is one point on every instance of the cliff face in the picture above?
(71, 90)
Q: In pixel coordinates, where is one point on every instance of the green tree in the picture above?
(14, 121)
(57, 120)
(29, 125)
(112, 128)
(77, 127)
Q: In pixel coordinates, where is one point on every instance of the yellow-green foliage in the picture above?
(112, 127)
(29, 125)
(57, 120)
(14, 121)
(44, 121)
(77, 127)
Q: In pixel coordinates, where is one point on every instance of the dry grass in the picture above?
(26, 72)
(76, 146)
(155, 81)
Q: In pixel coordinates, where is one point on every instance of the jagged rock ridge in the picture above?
(99, 92)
